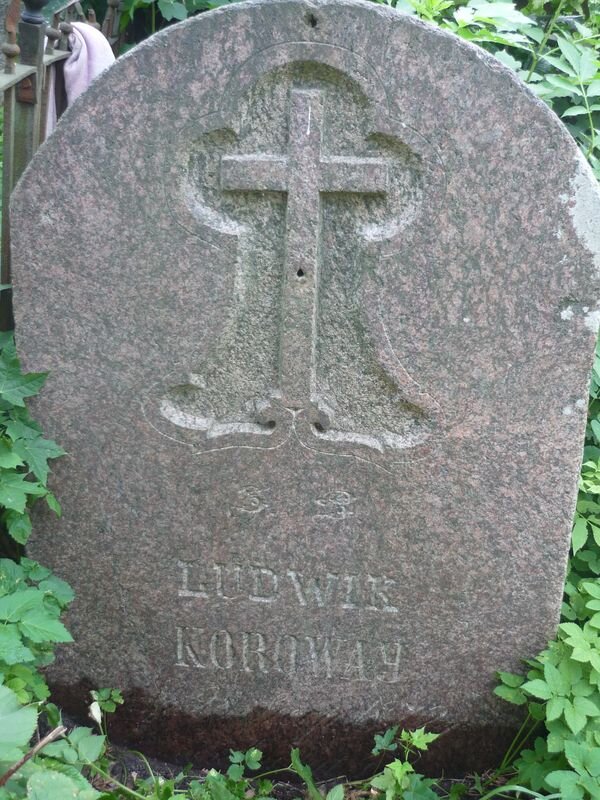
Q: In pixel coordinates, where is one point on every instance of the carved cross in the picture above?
(303, 174)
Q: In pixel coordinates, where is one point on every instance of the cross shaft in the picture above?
(303, 174)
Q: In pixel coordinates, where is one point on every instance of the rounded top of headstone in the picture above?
(291, 252)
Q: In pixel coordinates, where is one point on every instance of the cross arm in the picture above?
(254, 173)
(356, 175)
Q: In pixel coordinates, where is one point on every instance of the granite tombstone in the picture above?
(316, 284)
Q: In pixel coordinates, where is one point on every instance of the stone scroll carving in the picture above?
(309, 185)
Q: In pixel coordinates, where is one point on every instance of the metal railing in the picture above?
(32, 50)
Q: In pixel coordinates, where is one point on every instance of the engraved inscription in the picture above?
(260, 584)
(335, 505)
(288, 176)
(249, 501)
(325, 657)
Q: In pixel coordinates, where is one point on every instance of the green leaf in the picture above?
(12, 649)
(53, 504)
(172, 10)
(18, 525)
(36, 453)
(14, 386)
(586, 706)
(14, 489)
(566, 781)
(9, 458)
(17, 723)
(510, 679)
(587, 64)
(555, 708)
(580, 534)
(575, 111)
(21, 427)
(57, 588)
(90, 747)
(574, 718)
(337, 793)
(305, 773)
(511, 695)
(38, 626)
(50, 785)
(570, 52)
(538, 688)
(557, 683)
(14, 606)
(562, 83)
(253, 758)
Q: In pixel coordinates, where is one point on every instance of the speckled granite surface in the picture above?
(317, 287)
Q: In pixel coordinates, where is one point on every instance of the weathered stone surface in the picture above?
(317, 287)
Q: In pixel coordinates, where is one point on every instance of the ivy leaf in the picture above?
(36, 453)
(38, 626)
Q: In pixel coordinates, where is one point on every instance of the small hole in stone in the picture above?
(312, 20)
(300, 273)
(318, 427)
(270, 424)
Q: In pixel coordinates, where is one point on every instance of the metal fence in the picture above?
(33, 48)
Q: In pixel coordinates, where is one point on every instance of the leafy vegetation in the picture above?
(555, 48)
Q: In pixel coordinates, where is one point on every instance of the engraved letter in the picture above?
(284, 655)
(258, 650)
(350, 601)
(379, 599)
(227, 579)
(322, 659)
(391, 661)
(188, 647)
(226, 650)
(355, 664)
(264, 585)
(185, 590)
(312, 586)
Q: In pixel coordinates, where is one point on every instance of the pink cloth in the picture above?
(90, 55)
